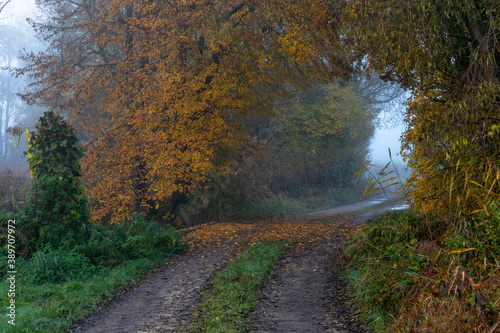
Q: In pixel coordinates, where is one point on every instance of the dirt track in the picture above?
(163, 301)
(305, 293)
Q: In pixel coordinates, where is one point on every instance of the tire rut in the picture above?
(163, 301)
(305, 295)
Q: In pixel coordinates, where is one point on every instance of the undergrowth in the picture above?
(13, 188)
(57, 286)
(417, 273)
(233, 293)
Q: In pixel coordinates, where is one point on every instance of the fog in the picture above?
(13, 20)
(15, 35)
(385, 138)
(16, 12)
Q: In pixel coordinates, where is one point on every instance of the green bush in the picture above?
(133, 239)
(57, 265)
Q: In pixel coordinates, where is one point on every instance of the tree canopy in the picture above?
(160, 90)
(447, 54)
(319, 138)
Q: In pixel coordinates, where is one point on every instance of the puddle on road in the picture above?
(380, 201)
(400, 207)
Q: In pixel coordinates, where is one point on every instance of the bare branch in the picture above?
(2, 5)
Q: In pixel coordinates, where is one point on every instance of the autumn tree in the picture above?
(447, 54)
(160, 90)
(306, 151)
(317, 137)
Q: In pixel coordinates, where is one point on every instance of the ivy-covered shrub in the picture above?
(56, 212)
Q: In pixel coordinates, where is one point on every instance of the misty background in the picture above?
(16, 34)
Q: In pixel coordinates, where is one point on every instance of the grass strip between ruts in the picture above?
(227, 304)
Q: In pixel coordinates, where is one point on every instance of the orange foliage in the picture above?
(290, 229)
(160, 90)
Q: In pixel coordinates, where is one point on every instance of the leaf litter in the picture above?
(169, 294)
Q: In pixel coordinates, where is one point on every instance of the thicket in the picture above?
(437, 272)
(304, 157)
(447, 54)
(412, 273)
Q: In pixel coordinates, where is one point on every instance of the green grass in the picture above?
(382, 264)
(56, 287)
(233, 293)
(54, 307)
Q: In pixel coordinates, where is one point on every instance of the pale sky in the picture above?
(384, 139)
(18, 11)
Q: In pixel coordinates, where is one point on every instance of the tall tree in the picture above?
(448, 54)
(11, 40)
(159, 90)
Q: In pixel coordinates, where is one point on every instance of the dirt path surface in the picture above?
(162, 302)
(366, 209)
(305, 295)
